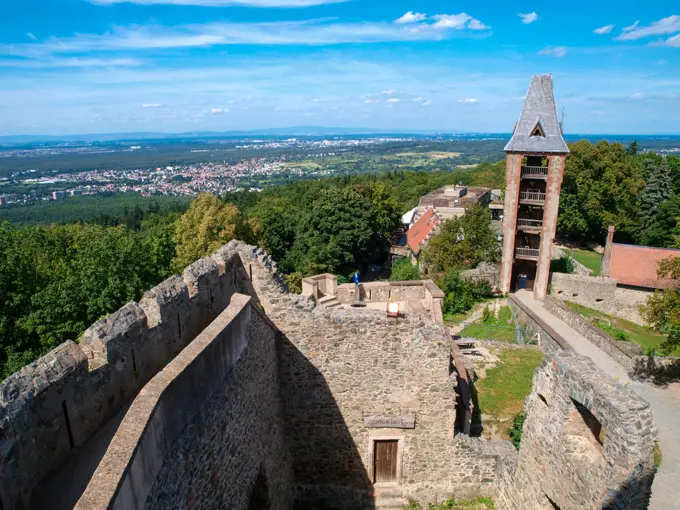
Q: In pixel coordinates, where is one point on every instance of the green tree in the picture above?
(601, 187)
(633, 148)
(461, 295)
(403, 270)
(463, 242)
(277, 223)
(335, 234)
(208, 224)
(657, 192)
(662, 310)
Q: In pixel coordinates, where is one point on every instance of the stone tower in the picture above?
(535, 165)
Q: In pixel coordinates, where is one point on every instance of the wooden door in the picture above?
(385, 460)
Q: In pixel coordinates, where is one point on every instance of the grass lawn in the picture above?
(623, 329)
(502, 391)
(500, 329)
(589, 258)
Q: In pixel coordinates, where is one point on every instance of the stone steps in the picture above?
(329, 302)
(387, 499)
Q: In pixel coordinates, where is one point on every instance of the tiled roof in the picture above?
(420, 230)
(637, 265)
(539, 110)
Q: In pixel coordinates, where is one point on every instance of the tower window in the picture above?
(538, 130)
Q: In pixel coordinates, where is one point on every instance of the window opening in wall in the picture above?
(134, 362)
(599, 300)
(250, 271)
(68, 423)
(574, 295)
(259, 498)
(538, 130)
(179, 326)
(591, 422)
(385, 460)
(543, 399)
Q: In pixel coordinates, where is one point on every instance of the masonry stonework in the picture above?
(286, 406)
(513, 177)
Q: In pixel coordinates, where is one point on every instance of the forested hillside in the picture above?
(56, 280)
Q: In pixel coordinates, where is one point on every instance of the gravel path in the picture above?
(665, 404)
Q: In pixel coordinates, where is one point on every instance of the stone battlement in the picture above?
(54, 405)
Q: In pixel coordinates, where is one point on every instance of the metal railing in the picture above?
(522, 222)
(532, 196)
(526, 252)
(534, 171)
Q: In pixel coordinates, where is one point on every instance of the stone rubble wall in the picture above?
(361, 363)
(484, 272)
(561, 461)
(204, 428)
(536, 331)
(590, 332)
(90, 381)
(600, 293)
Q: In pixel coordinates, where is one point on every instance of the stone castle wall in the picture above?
(600, 293)
(54, 405)
(568, 462)
(204, 429)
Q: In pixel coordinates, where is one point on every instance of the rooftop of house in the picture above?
(638, 265)
(421, 229)
(454, 196)
(538, 130)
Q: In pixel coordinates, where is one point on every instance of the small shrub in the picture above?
(486, 315)
(658, 456)
(564, 264)
(515, 432)
(294, 282)
(403, 270)
(505, 315)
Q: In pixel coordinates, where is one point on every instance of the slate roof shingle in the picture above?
(420, 230)
(539, 109)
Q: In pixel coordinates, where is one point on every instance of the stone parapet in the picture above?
(54, 405)
(160, 453)
(589, 438)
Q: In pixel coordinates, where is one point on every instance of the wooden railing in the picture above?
(521, 222)
(526, 252)
(532, 196)
(535, 171)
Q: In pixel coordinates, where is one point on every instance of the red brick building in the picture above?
(535, 165)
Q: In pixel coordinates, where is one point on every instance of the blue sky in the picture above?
(105, 66)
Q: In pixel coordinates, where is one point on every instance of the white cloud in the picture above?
(632, 27)
(31, 36)
(637, 96)
(528, 18)
(371, 101)
(417, 99)
(457, 22)
(411, 17)
(278, 109)
(603, 30)
(672, 41)
(305, 32)
(557, 51)
(427, 103)
(669, 25)
(70, 62)
(223, 3)
(468, 100)
(393, 100)
(152, 105)
(219, 110)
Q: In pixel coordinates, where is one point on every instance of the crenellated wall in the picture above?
(205, 428)
(54, 405)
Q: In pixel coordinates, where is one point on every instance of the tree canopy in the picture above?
(662, 310)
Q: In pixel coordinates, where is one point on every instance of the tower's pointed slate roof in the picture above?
(539, 110)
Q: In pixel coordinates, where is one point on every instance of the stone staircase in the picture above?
(387, 499)
(329, 302)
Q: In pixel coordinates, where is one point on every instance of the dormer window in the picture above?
(538, 130)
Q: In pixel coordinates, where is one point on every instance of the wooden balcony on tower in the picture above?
(526, 253)
(531, 197)
(529, 225)
(535, 172)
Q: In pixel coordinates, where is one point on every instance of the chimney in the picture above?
(607, 257)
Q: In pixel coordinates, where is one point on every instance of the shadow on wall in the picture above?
(659, 371)
(327, 466)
